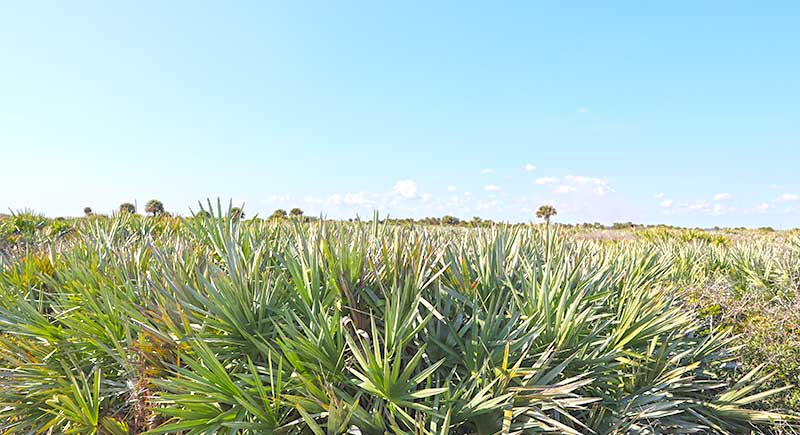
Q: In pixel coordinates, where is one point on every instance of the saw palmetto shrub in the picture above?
(224, 326)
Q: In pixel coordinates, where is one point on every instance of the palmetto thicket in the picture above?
(216, 326)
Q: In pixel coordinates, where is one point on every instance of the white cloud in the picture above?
(487, 205)
(788, 197)
(722, 196)
(583, 110)
(579, 179)
(359, 198)
(349, 199)
(658, 195)
(278, 198)
(599, 185)
(487, 171)
(576, 197)
(405, 188)
(775, 187)
(700, 204)
(602, 189)
(547, 180)
(702, 207)
(763, 207)
(529, 167)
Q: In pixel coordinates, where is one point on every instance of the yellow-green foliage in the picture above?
(685, 236)
(212, 325)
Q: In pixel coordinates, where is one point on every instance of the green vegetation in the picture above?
(202, 214)
(236, 213)
(219, 325)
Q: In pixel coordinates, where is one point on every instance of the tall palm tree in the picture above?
(127, 207)
(545, 212)
(154, 207)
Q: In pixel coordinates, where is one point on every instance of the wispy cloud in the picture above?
(577, 197)
(486, 171)
(600, 186)
(763, 207)
(722, 196)
(546, 180)
(350, 199)
(698, 204)
(405, 188)
(487, 205)
(529, 167)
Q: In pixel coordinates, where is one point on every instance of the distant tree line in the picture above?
(155, 208)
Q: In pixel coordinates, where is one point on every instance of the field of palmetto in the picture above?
(208, 325)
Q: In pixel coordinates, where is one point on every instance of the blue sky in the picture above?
(657, 112)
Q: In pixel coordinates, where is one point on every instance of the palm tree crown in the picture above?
(127, 207)
(154, 207)
(545, 212)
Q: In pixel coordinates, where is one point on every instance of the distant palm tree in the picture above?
(203, 214)
(87, 211)
(154, 207)
(545, 212)
(278, 214)
(127, 207)
(296, 212)
(450, 220)
(237, 213)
